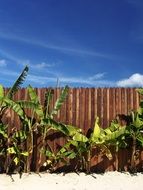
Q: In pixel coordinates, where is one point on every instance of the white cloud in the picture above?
(97, 76)
(135, 80)
(3, 63)
(42, 65)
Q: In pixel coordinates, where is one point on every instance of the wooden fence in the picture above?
(81, 108)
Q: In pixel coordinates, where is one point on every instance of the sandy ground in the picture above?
(72, 181)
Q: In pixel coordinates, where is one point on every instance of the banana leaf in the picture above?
(80, 137)
(114, 135)
(14, 106)
(48, 98)
(49, 122)
(17, 83)
(1, 91)
(140, 90)
(60, 101)
(73, 130)
(34, 99)
(96, 131)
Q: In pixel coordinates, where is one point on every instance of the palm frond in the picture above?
(17, 83)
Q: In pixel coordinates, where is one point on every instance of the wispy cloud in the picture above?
(92, 81)
(38, 80)
(9, 73)
(97, 76)
(3, 63)
(135, 80)
(62, 49)
(9, 56)
(43, 65)
(46, 67)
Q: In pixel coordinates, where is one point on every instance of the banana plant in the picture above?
(115, 137)
(7, 103)
(80, 147)
(72, 148)
(3, 146)
(103, 139)
(44, 120)
(64, 155)
(134, 131)
(16, 151)
(6, 100)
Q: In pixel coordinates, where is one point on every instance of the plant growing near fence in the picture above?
(79, 147)
(6, 103)
(17, 145)
(44, 121)
(135, 132)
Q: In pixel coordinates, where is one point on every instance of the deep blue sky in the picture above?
(83, 43)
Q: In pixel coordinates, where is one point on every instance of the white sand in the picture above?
(72, 181)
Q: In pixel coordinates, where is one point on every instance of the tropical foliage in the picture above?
(18, 145)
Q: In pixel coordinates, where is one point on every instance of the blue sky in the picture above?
(94, 43)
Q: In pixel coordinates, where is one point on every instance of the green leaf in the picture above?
(60, 101)
(33, 95)
(16, 160)
(24, 153)
(17, 83)
(113, 126)
(80, 137)
(138, 122)
(72, 155)
(3, 131)
(108, 131)
(48, 98)
(20, 134)
(114, 135)
(96, 130)
(73, 130)
(27, 104)
(74, 143)
(4, 134)
(11, 150)
(49, 154)
(55, 125)
(140, 91)
(1, 91)
(15, 107)
(34, 99)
